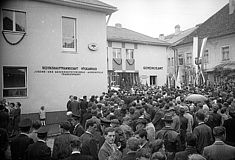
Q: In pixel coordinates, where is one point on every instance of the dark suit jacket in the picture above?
(77, 156)
(204, 136)
(219, 151)
(78, 130)
(38, 151)
(89, 145)
(130, 156)
(230, 131)
(75, 107)
(183, 155)
(19, 146)
(62, 148)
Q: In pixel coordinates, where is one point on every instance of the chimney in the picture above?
(177, 29)
(161, 36)
(118, 25)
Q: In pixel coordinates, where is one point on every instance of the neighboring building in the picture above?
(175, 60)
(135, 58)
(218, 59)
(51, 49)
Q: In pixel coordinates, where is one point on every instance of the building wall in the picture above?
(152, 56)
(42, 46)
(214, 51)
(145, 56)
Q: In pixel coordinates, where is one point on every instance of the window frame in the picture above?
(26, 82)
(75, 35)
(116, 53)
(189, 58)
(131, 56)
(181, 56)
(221, 51)
(14, 20)
(206, 58)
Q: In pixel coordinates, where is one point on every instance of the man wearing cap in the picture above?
(20, 143)
(62, 148)
(219, 150)
(39, 150)
(170, 136)
(109, 149)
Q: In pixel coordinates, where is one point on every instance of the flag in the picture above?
(231, 6)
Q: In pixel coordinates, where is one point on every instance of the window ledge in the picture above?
(13, 32)
(17, 97)
(71, 52)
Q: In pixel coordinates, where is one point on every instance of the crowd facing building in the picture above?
(150, 124)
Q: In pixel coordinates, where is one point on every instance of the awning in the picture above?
(225, 66)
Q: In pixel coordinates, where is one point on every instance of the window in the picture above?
(206, 56)
(172, 61)
(109, 44)
(129, 53)
(189, 58)
(123, 45)
(135, 46)
(181, 60)
(225, 53)
(153, 80)
(14, 81)
(69, 34)
(14, 21)
(117, 53)
(169, 61)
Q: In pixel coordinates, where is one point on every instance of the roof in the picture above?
(176, 38)
(225, 66)
(220, 24)
(85, 4)
(118, 34)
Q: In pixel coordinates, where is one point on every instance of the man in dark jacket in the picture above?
(230, 125)
(39, 150)
(190, 148)
(22, 141)
(132, 147)
(76, 153)
(170, 137)
(78, 129)
(62, 148)
(202, 132)
(219, 150)
(89, 145)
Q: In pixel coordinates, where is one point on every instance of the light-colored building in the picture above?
(218, 58)
(51, 49)
(135, 58)
(175, 65)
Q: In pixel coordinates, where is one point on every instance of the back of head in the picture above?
(36, 124)
(133, 144)
(200, 115)
(76, 143)
(143, 152)
(90, 123)
(158, 156)
(196, 157)
(191, 139)
(219, 131)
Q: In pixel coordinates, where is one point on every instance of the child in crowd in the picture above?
(42, 115)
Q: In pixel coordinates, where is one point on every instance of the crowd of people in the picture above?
(141, 124)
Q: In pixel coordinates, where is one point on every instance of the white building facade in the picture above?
(134, 58)
(52, 49)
